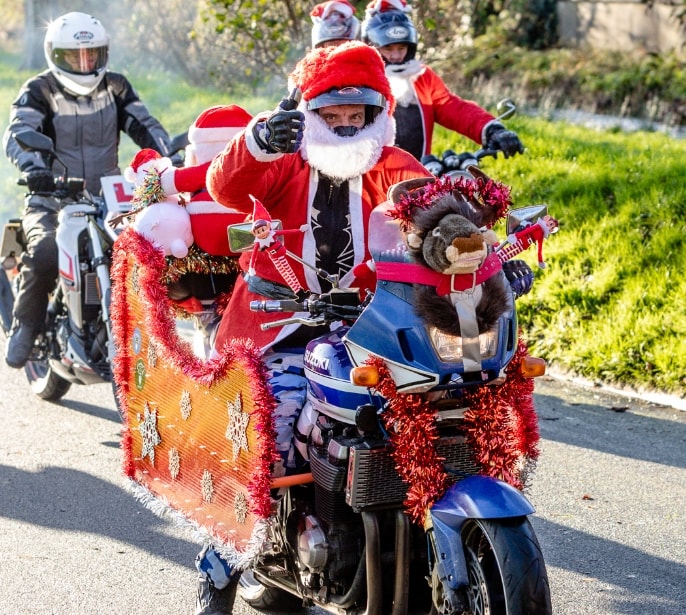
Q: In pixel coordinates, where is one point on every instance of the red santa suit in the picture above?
(416, 83)
(208, 136)
(286, 184)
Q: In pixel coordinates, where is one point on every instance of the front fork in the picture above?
(475, 497)
(102, 270)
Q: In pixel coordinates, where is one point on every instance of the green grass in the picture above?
(610, 305)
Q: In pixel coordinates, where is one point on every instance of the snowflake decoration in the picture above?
(236, 432)
(240, 507)
(185, 405)
(152, 354)
(174, 463)
(207, 486)
(148, 429)
(135, 283)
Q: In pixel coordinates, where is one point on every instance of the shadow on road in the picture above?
(74, 501)
(595, 427)
(633, 571)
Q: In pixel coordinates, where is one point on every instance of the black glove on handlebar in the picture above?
(40, 181)
(501, 139)
(519, 275)
(281, 132)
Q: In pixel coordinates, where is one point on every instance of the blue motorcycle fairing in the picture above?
(390, 328)
(475, 497)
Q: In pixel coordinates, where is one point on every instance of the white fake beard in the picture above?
(345, 157)
(401, 76)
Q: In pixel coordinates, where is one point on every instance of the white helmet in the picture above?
(76, 49)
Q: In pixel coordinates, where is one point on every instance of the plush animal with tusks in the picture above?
(452, 237)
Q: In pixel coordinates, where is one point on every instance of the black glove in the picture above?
(281, 132)
(503, 140)
(519, 275)
(40, 181)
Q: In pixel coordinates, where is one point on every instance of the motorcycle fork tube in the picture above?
(103, 273)
(402, 563)
(373, 559)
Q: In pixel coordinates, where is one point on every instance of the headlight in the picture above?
(449, 347)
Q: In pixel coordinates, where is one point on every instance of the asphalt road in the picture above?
(610, 494)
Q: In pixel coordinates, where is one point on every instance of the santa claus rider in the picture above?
(320, 168)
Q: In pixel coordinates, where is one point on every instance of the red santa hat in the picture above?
(259, 212)
(381, 6)
(324, 9)
(142, 162)
(219, 123)
(352, 64)
(213, 129)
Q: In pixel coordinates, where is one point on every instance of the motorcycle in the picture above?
(75, 346)
(343, 541)
(416, 444)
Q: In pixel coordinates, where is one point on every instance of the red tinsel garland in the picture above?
(411, 423)
(177, 352)
(501, 424)
(501, 428)
(482, 191)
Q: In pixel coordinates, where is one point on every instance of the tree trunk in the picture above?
(37, 13)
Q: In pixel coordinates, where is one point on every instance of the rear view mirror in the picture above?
(33, 140)
(523, 216)
(241, 238)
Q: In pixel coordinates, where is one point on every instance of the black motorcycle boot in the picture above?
(213, 601)
(20, 344)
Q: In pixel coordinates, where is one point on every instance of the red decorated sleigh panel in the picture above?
(199, 437)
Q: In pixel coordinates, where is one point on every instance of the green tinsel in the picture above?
(149, 191)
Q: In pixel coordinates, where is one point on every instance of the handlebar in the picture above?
(339, 304)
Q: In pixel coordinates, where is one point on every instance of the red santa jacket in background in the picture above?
(208, 136)
(439, 105)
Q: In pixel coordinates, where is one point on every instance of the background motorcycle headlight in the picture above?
(449, 347)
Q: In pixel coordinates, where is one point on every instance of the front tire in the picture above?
(44, 382)
(507, 574)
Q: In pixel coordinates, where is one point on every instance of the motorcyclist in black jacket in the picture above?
(83, 108)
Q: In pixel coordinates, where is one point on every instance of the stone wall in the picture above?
(620, 25)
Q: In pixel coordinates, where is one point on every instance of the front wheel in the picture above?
(45, 382)
(507, 574)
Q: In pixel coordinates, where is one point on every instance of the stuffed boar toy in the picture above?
(449, 233)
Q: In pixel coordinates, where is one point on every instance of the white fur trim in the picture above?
(205, 152)
(167, 182)
(309, 247)
(344, 9)
(212, 135)
(344, 157)
(259, 154)
(357, 228)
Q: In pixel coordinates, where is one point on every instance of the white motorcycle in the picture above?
(75, 345)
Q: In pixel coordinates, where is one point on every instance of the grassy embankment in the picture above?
(610, 305)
